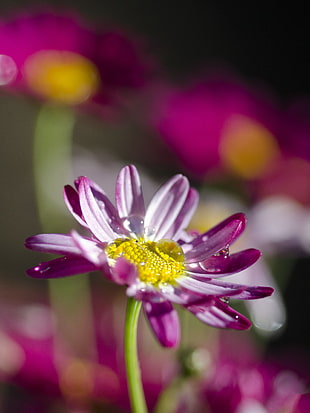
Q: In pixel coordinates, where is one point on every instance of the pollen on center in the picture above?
(156, 262)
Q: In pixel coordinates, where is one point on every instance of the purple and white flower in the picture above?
(149, 251)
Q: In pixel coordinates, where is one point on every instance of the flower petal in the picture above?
(218, 314)
(141, 291)
(124, 272)
(164, 321)
(221, 265)
(72, 201)
(96, 218)
(128, 194)
(53, 244)
(182, 220)
(241, 292)
(216, 239)
(89, 249)
(61, 267)
(210, 287)
(165, 207)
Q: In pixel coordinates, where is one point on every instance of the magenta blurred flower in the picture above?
(56, 57)
(214, 125)
(241, 381)
(150, 252)
(36, 360)
(302, 404)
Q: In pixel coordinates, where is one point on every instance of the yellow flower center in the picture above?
(61, 76)
(156, 262)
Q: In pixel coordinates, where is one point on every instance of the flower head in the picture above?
(213, 125)
(57, 58)
(149, 251)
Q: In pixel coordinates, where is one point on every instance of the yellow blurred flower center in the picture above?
(247, 148)
(61, 76)
(156, 262)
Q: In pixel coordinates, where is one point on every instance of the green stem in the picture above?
(135, 387)
(52, 161)
(52, 168)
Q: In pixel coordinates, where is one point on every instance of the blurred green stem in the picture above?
(52, 160)
(52, 164)
(135, 387)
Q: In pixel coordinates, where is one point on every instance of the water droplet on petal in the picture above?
(42, 268)
(134, 224)
(173, 249)
(225, 300)
(223, 253)
(149, 232)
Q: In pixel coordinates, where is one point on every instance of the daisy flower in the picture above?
(149, 251)
(56, 57)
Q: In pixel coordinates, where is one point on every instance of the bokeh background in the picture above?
(266, 46)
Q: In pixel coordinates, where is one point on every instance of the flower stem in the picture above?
(135, 387)
(52, 167)
(52, 147)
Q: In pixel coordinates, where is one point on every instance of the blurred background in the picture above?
(217, 91)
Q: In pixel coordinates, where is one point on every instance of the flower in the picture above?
(50, 375)
(57, 58)
(150, 252)
(241, 379)
(213, 125)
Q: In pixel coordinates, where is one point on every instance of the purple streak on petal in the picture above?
(164, 321)
(182, 220)
(72, 201)
(124, 272)
(166, 206)
(218, 314)
(221, 265)
(216, 239)
(95, 219)
(128, 194)
(210, 287)
(252, 293)
(53, 244)
(61, 267)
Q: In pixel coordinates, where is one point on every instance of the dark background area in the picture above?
(266, 42)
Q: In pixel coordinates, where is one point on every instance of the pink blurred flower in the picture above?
(56, 57)
(33, 359)
(302, 404)
(220, 124)
(238, 379)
